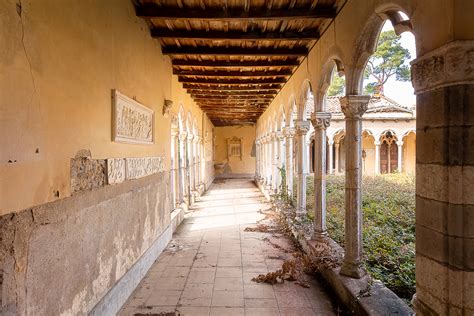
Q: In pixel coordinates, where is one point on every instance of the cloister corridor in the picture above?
(208, 266)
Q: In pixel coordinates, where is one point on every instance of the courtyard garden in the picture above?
(388, 203)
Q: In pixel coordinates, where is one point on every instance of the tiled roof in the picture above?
(376, 104)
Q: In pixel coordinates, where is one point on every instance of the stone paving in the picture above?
(208, 266)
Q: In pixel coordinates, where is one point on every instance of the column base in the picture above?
(320, 236)
(352, 270)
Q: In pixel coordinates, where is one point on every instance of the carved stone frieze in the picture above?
(115, 170)
(144, 166)
(132, 122)
(321, 120)
(354, 106)
(448, 65)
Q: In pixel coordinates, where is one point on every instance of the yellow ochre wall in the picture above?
(59, 62)
(234, 165)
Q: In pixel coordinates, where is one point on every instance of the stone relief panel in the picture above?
(121, 169)
(448, 65)
(142, 167)
(132, 122)
(87, 174)
(115, 170)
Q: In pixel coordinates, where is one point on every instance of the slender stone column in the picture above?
(256, 159)
(377, 157)
(190, 168)
(175, 168)
(331, 161)
(268, 164)
(353, 107)
(289, 133)
(274, 161)
(302, 127)
(320, 121)
(336, 164)
(400, 155)
(182, 166)
(279, 137)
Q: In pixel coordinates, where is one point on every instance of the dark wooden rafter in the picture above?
(233, 59)
(298, 51)
(231, 81)
(229, 88)
(210, 73)
(173, 13)
(240, 36)
(232, 93)
(236, 63)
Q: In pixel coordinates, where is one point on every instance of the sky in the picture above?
(402, 92)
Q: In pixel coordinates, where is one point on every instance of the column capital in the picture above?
(377, 143)
(354, 106)
(190, 137)
(331, 142)
(280, 135)
(183, 136)
(289, 132)
(400, 143)
(321, 120)
(302, 127)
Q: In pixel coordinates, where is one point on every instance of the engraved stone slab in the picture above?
(142, 167)
(131, 121)
(115, 170)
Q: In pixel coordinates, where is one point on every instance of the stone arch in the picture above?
(282, 118)
(181, 119)
(291, 111)
(366, 43)
(333, 61)
(306, 88)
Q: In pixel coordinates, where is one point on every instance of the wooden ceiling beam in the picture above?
(258, 14)
(309, 35)
(232, 93)
(230, 98)
(236, 63)
(297, 51)
(231, 81)
(210, 73)
(257, 87)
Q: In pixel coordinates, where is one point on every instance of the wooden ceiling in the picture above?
(233, 56)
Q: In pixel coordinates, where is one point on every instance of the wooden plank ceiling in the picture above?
(233, 56)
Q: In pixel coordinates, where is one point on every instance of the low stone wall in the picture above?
(63, 257)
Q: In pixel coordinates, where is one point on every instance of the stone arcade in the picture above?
(117, 116)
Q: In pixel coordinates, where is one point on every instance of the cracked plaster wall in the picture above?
(59, 61)
(63, 257)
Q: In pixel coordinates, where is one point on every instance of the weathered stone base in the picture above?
(69, 255)
(118, 295)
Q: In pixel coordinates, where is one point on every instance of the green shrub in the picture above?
(388, 205)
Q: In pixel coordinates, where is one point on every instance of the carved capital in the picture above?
(302, 127)
(354, 106)
(321, 120)
(377, 143)
(190, 137)
(400, 143)
(183, 136)
(289, 132)
(448, 65)
(280, 135)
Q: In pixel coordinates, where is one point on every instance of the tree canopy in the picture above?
(390, 59)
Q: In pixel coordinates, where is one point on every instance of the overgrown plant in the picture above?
(388, 205)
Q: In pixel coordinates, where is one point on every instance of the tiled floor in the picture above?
(208, 266)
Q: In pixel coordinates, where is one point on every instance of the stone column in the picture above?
(289, 133)
(400, 155)
(320, 121)
(444, 86)
(377, 157)
(274, 161)
(336, 164)
(331, 161)
(190, 170)
(267, 166)
(257, 159)
(279, 137)
(183, 137)
(302, 127)
(175, 169)
(353, 107)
